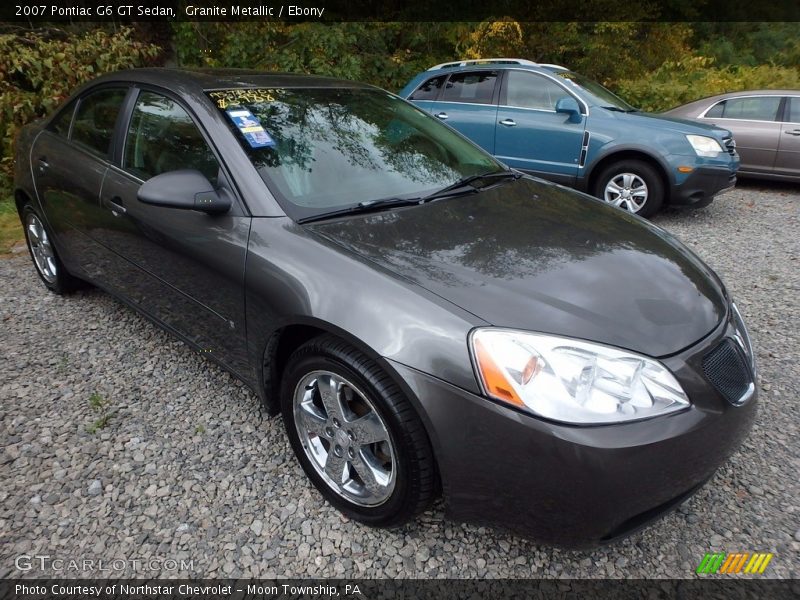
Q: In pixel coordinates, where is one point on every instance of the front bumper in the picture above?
(702, 185)
(577, 486)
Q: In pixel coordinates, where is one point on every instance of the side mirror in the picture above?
(568, 105)
(185, 188)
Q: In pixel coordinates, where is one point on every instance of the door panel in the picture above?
(69, 164)
(753, 122)
(788, 160)
(468, 104)
(530, 134)
(184, 267)
(68, 184)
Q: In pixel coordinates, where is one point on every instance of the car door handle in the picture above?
(793, 132)
(441, 115)
(508, 122)
(43, 164)
(115, 205)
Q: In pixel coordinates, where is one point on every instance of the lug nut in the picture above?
(337, 450)
(351, 453)
(350, 435)
(329, 432)
(336, 423)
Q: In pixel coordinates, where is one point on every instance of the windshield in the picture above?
(596, 92)
(321, 149)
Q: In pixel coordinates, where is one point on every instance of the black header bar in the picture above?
(38, 12)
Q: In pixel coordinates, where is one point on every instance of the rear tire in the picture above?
(45, 258)
(632, 185)
(356, 435)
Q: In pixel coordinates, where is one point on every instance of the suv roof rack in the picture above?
(552, 66)
(489, 61)
(481, 61)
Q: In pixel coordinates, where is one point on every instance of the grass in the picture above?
(98, 424)
(10, 227)
(100, 405)
(97, 402)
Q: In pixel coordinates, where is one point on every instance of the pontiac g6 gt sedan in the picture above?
(426, 320)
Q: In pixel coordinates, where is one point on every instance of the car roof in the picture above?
(198, 80)
(751, 93)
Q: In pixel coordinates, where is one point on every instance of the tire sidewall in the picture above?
(297, 369)
(655, 187)
(58, 285)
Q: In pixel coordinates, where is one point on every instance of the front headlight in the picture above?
(704, 146)
(572, 380)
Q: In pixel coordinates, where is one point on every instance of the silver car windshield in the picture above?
(330, 148)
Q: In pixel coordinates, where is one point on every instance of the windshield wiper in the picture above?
(362, 207)
(393, 202)
(466, 182)
(622, 110)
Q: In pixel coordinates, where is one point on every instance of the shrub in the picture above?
(679, 82)
(39, 69)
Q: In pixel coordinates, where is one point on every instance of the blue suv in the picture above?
(559, 125)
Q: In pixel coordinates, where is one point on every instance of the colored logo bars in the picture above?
(742, 562)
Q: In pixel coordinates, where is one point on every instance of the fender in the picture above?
(611, 149)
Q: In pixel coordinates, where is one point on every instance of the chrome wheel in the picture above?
(627, 191)
(345, 438)
(41, 249)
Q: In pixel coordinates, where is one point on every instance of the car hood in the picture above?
(536, 256)
(684, 126)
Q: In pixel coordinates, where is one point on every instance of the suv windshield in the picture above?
(596, 92)
(320, 149)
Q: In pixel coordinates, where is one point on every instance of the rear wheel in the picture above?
(356, 435)
(45, 257)
(631, 185)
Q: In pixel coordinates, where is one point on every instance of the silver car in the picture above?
(765, 125)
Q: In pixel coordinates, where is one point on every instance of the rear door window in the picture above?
(758, 108)
(472, 86)
(93, 126)
(793, 111)
(60, 124)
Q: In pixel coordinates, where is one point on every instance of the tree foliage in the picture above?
(653, 65)
(39, 70)
(678, 82)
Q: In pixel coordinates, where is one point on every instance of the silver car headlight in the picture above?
(705, 146)
(572, 381)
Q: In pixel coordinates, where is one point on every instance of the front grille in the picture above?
(730, 145)
(727, 370)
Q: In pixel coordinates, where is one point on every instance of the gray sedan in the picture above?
(426, 320)
(765, 125)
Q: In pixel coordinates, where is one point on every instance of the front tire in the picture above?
(44, 255)
(356, 435)
(631, 185)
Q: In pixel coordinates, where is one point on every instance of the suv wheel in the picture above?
(356, 435)
(631, 185)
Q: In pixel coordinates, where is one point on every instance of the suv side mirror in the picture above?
(185, 188)
(568, 105)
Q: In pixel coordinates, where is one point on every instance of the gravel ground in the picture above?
(120, 442)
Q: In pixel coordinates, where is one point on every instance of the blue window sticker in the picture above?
(251, 129)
